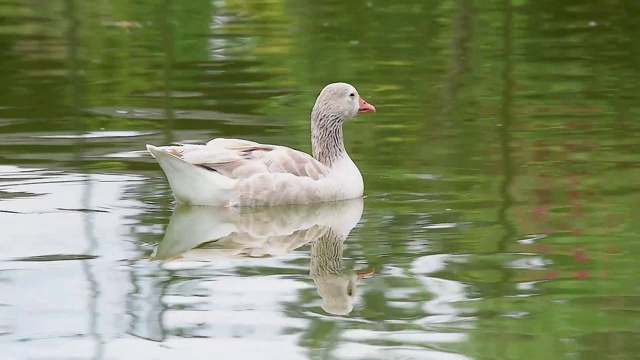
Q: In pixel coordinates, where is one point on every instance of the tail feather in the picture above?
(192, 184)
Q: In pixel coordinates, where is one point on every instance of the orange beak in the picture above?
(365, 107)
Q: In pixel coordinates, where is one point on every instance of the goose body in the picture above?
(235, 172)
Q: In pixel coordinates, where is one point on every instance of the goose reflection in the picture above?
(203, 233)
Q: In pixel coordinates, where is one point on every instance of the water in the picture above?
(501, 173)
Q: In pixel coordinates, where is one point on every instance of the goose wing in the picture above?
(239, 159)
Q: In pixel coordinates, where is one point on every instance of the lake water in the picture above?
(502, 173)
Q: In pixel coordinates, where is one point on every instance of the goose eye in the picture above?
(352, 94)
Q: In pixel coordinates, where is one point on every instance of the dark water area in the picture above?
(501, 172)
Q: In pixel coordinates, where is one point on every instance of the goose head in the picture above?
(338, 102)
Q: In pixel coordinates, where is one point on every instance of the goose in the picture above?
(234, 172)
(203, 233)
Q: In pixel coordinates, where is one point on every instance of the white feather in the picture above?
(235, 172)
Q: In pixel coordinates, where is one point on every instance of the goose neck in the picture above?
(326, 139)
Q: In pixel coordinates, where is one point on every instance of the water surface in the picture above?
(501, 169)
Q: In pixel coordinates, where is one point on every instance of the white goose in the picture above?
(233, 172)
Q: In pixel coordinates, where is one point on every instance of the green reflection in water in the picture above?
(501, 170)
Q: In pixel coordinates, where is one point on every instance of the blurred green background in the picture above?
(505, 150)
